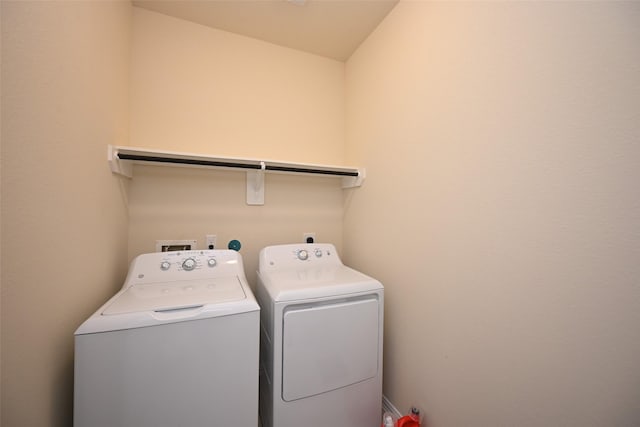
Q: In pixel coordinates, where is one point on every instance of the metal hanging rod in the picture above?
(231, 163)
(292, 169)
(186, 161)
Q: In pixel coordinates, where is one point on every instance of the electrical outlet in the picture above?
(309, 237)
(210, 241)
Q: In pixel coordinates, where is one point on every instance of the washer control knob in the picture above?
(303, 255)
(189, 264)
(212, 262)
(165, 265)
(318, 253)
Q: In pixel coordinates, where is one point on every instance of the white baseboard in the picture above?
(387, 406)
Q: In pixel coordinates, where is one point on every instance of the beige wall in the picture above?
(178, 203)
(0, 219)
(196, 89)
(501, 208)
(64, 98)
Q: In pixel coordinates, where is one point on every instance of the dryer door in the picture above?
(328, 346)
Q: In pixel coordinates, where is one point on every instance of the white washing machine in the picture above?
(176, 346)
(321, 339)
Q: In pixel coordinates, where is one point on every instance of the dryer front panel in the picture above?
(329, 345)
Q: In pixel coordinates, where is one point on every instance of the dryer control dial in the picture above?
(189, 264)
(318, 253)
(303, 255)
(165, 265)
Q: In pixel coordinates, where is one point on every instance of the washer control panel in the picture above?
(184, 265)
(298, 256)
(190, 263)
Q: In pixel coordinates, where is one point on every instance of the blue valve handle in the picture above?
(234, 245)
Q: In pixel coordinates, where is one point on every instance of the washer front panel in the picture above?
(197, 373)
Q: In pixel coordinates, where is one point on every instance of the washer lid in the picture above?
(168, 296)
(320, 282)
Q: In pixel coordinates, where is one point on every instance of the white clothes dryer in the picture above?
(176, 346)
(321, 339)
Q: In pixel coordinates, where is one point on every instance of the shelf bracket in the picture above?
(354, 181)
(255, 186)
(120, 167)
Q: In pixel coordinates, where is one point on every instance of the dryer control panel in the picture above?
(298, 256)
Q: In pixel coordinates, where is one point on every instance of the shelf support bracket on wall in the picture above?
(119, 167)
(354, 181)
